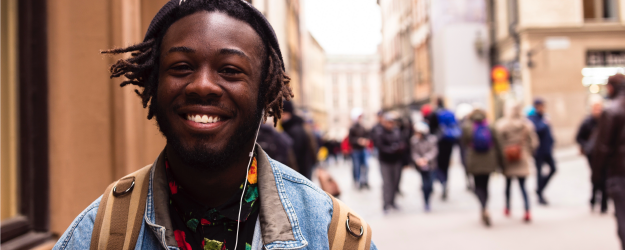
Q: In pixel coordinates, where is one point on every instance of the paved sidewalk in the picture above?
(454, 224)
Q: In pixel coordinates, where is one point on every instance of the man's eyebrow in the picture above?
(227, 51)
(181, 49)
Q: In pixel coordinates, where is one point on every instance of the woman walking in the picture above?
(423, 154)
(518, 140)
(482, 157)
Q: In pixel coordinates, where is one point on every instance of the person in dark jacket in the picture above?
(359, 140)
(608, 152)
(443, 146)
(376, 127)
(544, 152)
(391, 147)
(586, 142)
(333, 149)
(277, 145)
(294, 127)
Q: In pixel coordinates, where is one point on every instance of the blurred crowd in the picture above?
(512, 145)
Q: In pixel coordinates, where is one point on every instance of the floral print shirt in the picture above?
(199, 227)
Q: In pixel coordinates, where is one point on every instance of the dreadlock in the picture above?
(141, 68)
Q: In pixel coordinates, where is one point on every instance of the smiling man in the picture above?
(210, 72)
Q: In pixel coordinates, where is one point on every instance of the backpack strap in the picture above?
(121, 211)
(347, 229)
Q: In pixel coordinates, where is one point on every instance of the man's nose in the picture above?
(204, 85)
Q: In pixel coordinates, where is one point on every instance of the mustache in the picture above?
(205, 102)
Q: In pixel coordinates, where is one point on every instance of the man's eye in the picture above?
(230, 71)
(181, 67)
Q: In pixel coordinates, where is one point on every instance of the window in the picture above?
(600, 10)
(605, 58)
(25, 160)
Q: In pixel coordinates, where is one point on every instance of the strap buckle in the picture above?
(128, 190)
(350, 230)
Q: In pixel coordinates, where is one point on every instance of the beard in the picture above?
(202, 155)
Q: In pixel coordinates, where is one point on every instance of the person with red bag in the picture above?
(518, 140)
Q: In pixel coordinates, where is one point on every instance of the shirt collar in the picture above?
(185, 203)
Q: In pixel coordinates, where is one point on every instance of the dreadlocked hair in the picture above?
(276, 87)
(141, 68)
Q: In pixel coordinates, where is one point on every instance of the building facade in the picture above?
(352, 82)
(314, 83)
(420, 38)
(406, 54)
(68, 130)
(284, 16)
(562, 53)
(459, 47)
(397, 58)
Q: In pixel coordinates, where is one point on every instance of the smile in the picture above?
(205, 119)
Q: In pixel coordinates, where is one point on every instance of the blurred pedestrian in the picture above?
(346, 149)
(443, 124)
(359, 140)
(391, 146)
(426, 110)
(461, 113)
(424, 154)
(333, 149)
(543, 154)
(518, 140)
(378, 126)
(608, 152)
(482, 158)
(277, 145)
(302, 145)
(586, 142)
(406, 131)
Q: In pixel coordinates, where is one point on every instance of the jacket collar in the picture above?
(279, 227)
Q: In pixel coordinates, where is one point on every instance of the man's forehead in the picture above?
(205, 28)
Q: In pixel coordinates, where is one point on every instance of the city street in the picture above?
(566, 223)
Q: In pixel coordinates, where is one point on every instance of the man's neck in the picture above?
(210, 188)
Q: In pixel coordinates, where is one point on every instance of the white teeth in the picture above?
(203, 118)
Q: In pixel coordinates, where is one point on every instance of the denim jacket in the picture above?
(294, 213)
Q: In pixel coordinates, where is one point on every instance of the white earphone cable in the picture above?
(246, 180)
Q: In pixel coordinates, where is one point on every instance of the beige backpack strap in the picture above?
(121, 211)
(347, 230)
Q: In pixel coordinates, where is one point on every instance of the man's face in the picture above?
(210, 69)
(596, 110)
(609, 90)
(389, 125)
(539, 108)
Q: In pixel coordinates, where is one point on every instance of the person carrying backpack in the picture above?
(482, 158)
(518, 140)
(443, 124)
